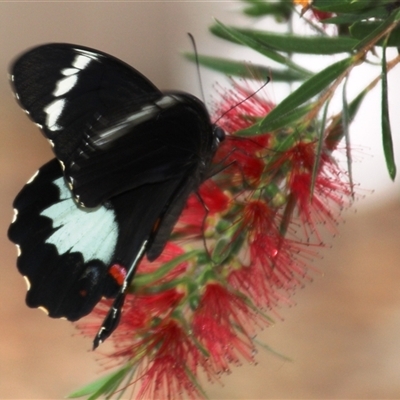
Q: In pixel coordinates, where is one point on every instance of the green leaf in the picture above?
(105, 384)
(222, 251)
(245, 70)
(379, 13)
(343, 6)
(305, 92)
(288, 43)
(151, 277)
(236, 36)
(360, 30)
(288, 119)
(345, 124)
(319, 150)
(386, 130)
(336, 129)
(280, 10)
(394, 18)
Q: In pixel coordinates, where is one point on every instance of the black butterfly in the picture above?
(128, 156)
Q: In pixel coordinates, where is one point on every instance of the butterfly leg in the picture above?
(111, 321)
(113, 317)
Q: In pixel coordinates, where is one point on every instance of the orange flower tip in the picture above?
(305, 4)
(308, 5)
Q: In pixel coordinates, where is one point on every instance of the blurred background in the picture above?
(343, 336)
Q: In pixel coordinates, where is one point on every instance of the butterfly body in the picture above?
(127, 158)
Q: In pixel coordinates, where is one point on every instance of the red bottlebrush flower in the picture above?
(221, 324)
(258, 217)
(139, 313)
(151, 306)
(141, 309)
(209, 201)
(261, 274)
(330, 190)
(243, 156)
(330, 195)
(172, 355)
(171, 251)
(244, 165)
(274, 270)
(201, 313)
(239, 108)
(276, 255)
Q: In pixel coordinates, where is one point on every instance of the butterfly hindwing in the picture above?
(64, 252)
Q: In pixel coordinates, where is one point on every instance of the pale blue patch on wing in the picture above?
(92, 232)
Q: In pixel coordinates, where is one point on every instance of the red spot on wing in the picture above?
(118, 273)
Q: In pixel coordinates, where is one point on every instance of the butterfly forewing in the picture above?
(64, 88)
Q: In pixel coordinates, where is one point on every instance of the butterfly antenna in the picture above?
(242, 101)
(196, 55)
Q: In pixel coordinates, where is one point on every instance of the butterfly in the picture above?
(127, 158)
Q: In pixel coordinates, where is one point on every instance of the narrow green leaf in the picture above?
(348, 19)
(336, 129)
(231, 67)
(280, 10)
(345, 124)
(235, 36)
(342, 6)
(386, 130)
(286, 75)
(100, 386)
(146, 279)
(301, 44)
(319, 150)
(288, 119)
(393, 18)
(245, 70)
(221, 251)
(305, 92)
(360, 30)
(89, 388)
(112, 384)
